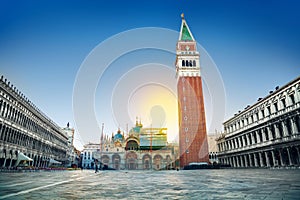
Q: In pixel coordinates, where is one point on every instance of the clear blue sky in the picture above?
(255, 44)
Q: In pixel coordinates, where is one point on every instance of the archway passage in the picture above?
(295, 156)
(285, 157)
(116, 159)
(158, 162)
(131, 161)
(147, 162)
(105, 161)
(277, 158)
(269, 158)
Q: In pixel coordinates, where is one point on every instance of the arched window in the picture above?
(191, 64)
(194, 63)
(183, 63)
(187, 63)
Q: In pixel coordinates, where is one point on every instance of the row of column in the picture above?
(27, 120)
(11, 162)
(279, 130)
(288, 156)
(9, 112)
(16, 137)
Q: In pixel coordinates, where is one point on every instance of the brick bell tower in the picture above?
(193, 146)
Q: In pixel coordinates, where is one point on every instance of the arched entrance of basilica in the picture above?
(157, 162)
(105, 161)
(116, 159)
(147, 162)
(131, 161)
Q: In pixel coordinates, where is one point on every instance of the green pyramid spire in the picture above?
(185, 35)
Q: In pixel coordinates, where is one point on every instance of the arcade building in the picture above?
(265, 134)
(27, 136)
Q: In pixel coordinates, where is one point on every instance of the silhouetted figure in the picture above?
(96, 166)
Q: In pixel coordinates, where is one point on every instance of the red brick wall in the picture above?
(192, 124)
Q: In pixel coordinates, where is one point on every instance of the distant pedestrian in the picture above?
(96, 166)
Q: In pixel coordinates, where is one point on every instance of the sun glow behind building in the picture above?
(156, 105)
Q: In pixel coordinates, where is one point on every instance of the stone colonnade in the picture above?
(277, 157)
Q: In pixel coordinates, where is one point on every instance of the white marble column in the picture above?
(298, 155)
(4, 163)
(10, 163)
(247, 138)
(234, 161)
(244, 140)
(270, 133)
(240, 142)
(246, 161)
(263, 135)
(236, 143)
(257, 137)
(252, 137)
(242, 161)
(274, 160)
(284, 129)
(277, 134)
(281, 160)
(232, 144)
(294, 126)
(250, 160)
(261, 159)
(267, 159)
(255, 160)
(289, 156)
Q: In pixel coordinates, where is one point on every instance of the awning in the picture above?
(21, 156)
(54, 161)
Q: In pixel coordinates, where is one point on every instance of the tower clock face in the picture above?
(187, 47)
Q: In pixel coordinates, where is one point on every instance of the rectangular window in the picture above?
(269, 110)
(257, 117)
(292, 98)
(276, 107)
(262, 113)
(283, 103)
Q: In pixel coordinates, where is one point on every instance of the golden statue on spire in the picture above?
(182, 15)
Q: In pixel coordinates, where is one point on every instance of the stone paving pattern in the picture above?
(268, 184)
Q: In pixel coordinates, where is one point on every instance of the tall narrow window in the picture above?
(269, 110)
(263, 113)
(187, 63)
(276, 107)
(183, 63)
(292, 98)
(283, 103)
(257, 117)
(194, 63)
